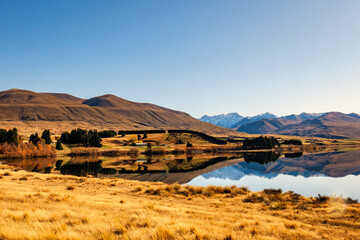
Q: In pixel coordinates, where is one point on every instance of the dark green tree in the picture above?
(3, 136)
(93, 139)
(34, 138)
(9, 136)
(46, 136)
(107, 134)
(59, 145)
(65, 137)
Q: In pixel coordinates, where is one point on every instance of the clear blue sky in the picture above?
(201, 57)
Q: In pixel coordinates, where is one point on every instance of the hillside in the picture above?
(329, 125)
(30, 111)
(266, 125)
(333, 125)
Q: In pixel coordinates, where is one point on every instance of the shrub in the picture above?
(34, 139)
(272, 191)
(58, 145)
(292, 142)
(46, 136)
(27, 150)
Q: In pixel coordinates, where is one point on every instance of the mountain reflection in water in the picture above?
(335, 173)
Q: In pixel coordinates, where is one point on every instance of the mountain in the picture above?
(329, 125)
(267, 125)
(247, 120)
(223, 120)
(302, 116)
(30, 112)
(332, 125)
(234, 120)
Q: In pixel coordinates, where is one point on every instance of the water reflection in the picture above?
(325, 173)
(309, 174)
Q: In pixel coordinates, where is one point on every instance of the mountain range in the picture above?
(334, 125)
(31, 111)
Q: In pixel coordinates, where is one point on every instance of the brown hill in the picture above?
(333, 125)
(266, 125)
(67, 97)
(30, 111)
(329, 125)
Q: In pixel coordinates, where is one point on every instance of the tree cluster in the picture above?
(261, 157)
(81, 136)
(260, 143)
(107, 133)
(293, 142)
(9, 136)
(34, 139)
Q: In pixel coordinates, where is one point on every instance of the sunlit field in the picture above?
(50, 206)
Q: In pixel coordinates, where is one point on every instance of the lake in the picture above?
(333, 173)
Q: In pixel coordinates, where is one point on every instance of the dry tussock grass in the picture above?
(42, 208)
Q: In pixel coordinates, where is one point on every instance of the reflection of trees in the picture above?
(33, 164)
(193, 164)
(261, 157)
(82, 169)
(293, 155)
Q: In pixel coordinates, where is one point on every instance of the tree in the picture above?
(261, 143)
(145, 135)
(9, 136)
(34, 139)
(107, 134)
(65, 137)
(93, 139)
(58, 145)
(46, 136)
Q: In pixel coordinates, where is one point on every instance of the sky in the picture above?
(200, 57)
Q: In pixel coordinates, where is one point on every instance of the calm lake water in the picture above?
(335, 173)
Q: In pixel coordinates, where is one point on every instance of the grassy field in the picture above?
(50, 206)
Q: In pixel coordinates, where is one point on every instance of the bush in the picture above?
(293, 142)
(34, 139)
(28, 150)
(58, 145)
(46, 136)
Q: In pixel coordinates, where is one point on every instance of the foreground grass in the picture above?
(39, 206)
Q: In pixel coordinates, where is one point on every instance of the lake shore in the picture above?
(52, 206)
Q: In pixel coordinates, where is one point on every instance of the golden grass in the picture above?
(65, 207)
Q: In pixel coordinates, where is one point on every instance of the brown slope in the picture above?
(22, 105)
(35, 111)
(67, 97)
(144, 114)
(266, 125)
(333, 124)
